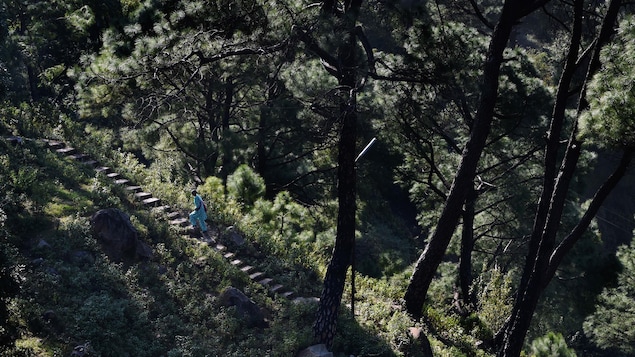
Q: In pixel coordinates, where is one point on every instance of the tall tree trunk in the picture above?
(212, 127)
(330, 300)
(261, 148)
(541, 262)
(467, 246)
(438, 243)
(225, 131)
(326, 321)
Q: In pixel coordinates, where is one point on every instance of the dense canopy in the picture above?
(489, 213)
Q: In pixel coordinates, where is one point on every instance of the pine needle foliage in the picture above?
(610, 121)
(612, 325)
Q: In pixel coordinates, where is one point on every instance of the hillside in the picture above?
(383, 178)
(74, 294)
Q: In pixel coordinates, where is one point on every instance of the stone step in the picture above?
(92, 163)
(133, 188)
(162, 208)
(256, 275)
(247, 268)
(103, 169)
(229, 255)
(15, 140)
(67, 150)
(79, 157)
(265, 281)
(305, 300)
(220, 247)
(179, 222)
(122, 181)
(236, 262)
(287, 294)
(113, 175)
(151, 201)
(173, 215)
(54, 144)
(142, 195)
(276, 288)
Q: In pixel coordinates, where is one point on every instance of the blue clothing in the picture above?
(198, 216)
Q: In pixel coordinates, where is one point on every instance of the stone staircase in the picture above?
(175, 217)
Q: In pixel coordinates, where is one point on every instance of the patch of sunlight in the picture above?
(31, 344)
(59, 209)
(68, 202)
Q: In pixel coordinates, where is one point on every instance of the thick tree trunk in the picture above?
(438, 243)
(326, 320)
(331, 297)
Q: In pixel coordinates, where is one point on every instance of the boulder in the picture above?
(81, 350)
(246, 308)
(315, 351)
(234, 236)
(118, 237)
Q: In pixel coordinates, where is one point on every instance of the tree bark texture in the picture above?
(326, 321)
(331, 297)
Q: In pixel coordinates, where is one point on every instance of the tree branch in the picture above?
(601, 194)
(479, 14)
(239, 52)
(312, 46)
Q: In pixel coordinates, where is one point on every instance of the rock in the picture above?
(81, 350)
(234, 237)
(162, 270)
(315, 351)
(246, 309)
(49, 315)
(82, 258)
(52, 272)
(43, 244)
(51, 321)
(118, 237)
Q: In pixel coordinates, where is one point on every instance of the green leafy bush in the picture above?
(551, 345)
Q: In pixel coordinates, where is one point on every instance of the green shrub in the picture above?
(494, 290)
(220, 207)
(245, 186)
(551, 345)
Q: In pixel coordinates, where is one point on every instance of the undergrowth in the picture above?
(72, 294)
